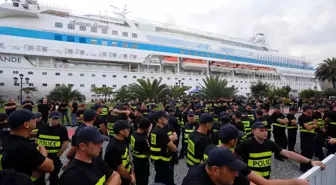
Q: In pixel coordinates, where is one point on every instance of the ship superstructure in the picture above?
(54, 46)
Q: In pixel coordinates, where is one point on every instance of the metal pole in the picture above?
(21, 92)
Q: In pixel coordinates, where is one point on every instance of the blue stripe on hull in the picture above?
(18, 32)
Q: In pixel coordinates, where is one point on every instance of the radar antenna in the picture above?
(122, 13)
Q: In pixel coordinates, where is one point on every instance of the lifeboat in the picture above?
(221, 66)
(244, 69)
(194, 64)
(265, 70)
(169, 60)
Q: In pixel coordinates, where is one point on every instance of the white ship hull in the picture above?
(116, 51)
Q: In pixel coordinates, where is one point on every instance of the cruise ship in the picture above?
(53, 46)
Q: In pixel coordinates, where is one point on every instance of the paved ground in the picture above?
(282, 170)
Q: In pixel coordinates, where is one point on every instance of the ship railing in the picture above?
(316, 176)
(191, 30)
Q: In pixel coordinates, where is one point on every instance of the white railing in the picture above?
(316, 176)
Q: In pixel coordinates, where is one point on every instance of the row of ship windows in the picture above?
(81, 85)
(144, 77)
(94, 75)
(94, 29)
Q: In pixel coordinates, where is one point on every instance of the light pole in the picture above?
(179, 83)
(21, 83)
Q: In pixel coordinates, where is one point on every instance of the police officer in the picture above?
(104, 110)
(89, 117)
(198, 140)
(100, 122)
(292, 128)
(80, 113)
(229, 136)
(21, 123)
(4, 128)
(87, 167)
(221, 167)
(140, 151)
(320, 131)
(236, 121)
(307, 134)
(160, 150)
(279, 122)
(54, 137)
(330, 118)
(189, 127)
(257, 152)
(261, 118)
(117, 156)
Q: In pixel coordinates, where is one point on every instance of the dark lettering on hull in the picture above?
(10, 59)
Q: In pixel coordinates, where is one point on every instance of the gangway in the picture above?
(316, 176)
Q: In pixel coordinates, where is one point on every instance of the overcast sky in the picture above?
(297, 27)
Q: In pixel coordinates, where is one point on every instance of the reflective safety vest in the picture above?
(104, 111)
(191, 159)
(181, 123)
(251, 116)
(260, 163)
(197, 118)
(110, 129)
(303, 130)
(247, 128)
(126, 160)
(187, 132)
(205, 156)
(320, 122)
(158, 152)
(135, 153)
(52, 143)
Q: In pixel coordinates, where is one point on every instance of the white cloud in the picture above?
(298, 27)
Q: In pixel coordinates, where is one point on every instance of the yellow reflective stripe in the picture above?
(291, 127)
(33, 178)
(205, 157)
(193, 159)
(259, 163)
(188, 131)
(251, 116)
(0, 162)
(155, 149)
(216, 119)
(278, 125)
(333, 123)
(263, 174)
(35, 130)
(142, 156)
(262, 154)
(53, 151)
(49, 137)
(110, 126)
(101, 181)
(48, 143)
(160, 158)
(191, 146)
(307, 131)
(170, 133)
(246, 124)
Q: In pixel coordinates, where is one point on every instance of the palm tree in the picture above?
(29, 90)
(260, 89)
(327, 71)
(178, 91)
(216, 87)
(102, 90)
(122, 94)
(65, 93)
(147, 89)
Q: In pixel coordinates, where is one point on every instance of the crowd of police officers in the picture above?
(138, 134)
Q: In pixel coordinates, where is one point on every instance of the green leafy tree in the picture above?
(327, 71)
(214, 87)
(178, 91)
(309, 93)
(147, 89)
(65, 93)
(287, 89)
(29, 90)
(102, 91)
(260, 89)
(122, 94)
(329, 92)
